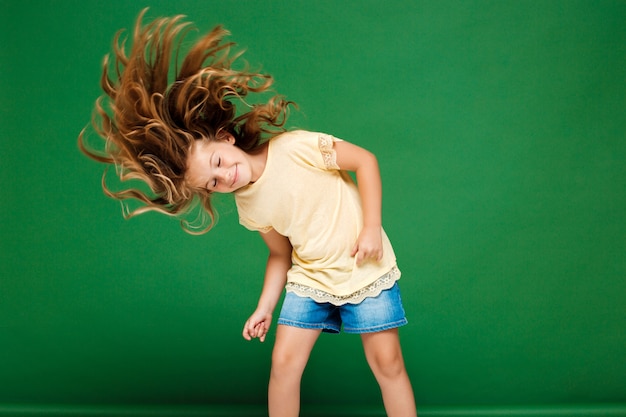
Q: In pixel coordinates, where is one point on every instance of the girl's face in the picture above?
(218, 166)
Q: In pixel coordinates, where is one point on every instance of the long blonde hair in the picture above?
(149, 123)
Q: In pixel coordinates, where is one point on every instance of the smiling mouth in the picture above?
(235, 177)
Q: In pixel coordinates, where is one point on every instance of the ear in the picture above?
(225, 136)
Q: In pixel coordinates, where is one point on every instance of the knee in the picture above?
(286, 363)
(386, 364)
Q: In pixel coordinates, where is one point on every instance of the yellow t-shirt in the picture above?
(303, 195)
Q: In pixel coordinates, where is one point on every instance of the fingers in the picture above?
(368, 246)
(365, 255)
(246, 331)
(252, 331)
(261, 332)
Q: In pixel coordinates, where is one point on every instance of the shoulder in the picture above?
(305, 148)
(295, 135)
(295, 138)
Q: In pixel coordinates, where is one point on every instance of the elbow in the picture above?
(370, 159)
(282, 257)
(368, 164)
(374, 160)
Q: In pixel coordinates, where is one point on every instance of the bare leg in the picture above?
(290, 355)
(384, 356)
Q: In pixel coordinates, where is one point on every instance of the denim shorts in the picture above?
(373, 314)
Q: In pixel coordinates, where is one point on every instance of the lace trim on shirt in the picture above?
(328, 153)
(372, 290)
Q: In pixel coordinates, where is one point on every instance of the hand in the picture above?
(257, 325)
(369, 245)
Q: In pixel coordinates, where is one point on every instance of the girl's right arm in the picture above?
(278, 263)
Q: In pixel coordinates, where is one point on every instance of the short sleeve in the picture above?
(254, 228)
(325, 143)
(246, 219)
(250, 225)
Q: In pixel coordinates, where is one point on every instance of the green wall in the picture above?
(500, 131)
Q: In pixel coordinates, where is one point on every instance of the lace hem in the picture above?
(372, 290)
(328, 153)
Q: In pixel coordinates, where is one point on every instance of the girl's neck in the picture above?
(258, 159)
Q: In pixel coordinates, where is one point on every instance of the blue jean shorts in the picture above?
(373, 314)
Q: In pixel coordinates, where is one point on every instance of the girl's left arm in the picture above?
(364, 164)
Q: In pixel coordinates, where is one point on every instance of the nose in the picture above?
(224, 175)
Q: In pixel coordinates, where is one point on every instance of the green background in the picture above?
(500, 131)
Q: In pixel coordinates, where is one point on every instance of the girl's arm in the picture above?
(278, 263)
(363, 163)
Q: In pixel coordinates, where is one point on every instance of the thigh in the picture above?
(382, 344)
(383, 352)
(293, 345)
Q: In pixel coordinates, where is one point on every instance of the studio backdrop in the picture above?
(500, 130)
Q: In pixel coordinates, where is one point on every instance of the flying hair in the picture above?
(151, 114)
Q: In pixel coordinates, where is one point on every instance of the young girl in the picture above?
(186, 140)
